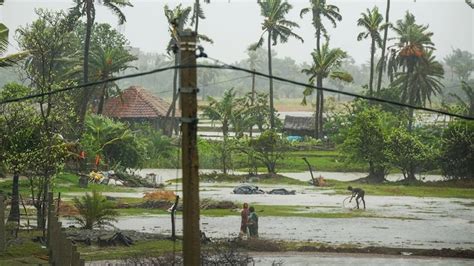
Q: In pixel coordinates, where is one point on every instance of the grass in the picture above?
(295, 211)
(430, 189)
(24, 251)
(138, 249)
(262, 179)
(321, 160)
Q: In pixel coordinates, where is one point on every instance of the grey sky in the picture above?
(235, 25)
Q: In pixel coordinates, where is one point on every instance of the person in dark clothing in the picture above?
(253, 223)
(358, 193)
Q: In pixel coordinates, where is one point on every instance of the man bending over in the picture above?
(358, 193)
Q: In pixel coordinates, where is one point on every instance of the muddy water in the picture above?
(413, 222)
(303, 259)
(168, 174)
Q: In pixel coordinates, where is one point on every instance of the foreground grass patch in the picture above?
(24, 251)
(147, 248)
(296, 211)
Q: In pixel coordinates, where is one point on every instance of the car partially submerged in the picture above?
(247, 189)
(282, 191)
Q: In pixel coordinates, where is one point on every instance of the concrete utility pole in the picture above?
(190, 162)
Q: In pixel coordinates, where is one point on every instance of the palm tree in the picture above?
(177, 19)
(278, 29)
(412, 50)
(94, 211)
(224, 112)
(381, 65)
(321, 10)
(198, 13)
(326, 63)
(425, 80)
(371, 21)
(87, 8)
(105, 62)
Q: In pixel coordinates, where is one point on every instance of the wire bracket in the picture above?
(189, 120)
(188, 90)
(187, 46)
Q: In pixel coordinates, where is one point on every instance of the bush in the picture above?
(94, 211)
(457, 150)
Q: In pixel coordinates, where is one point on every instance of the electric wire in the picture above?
(89, 85)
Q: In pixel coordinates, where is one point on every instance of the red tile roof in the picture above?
(136, 102)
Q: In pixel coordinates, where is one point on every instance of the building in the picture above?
(299, 125)
(137, 105)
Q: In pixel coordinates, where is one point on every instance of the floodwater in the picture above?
(168, 174)
(407, 222)
(307, 259)
(303, 259)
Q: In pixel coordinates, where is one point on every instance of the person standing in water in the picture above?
(244, 214)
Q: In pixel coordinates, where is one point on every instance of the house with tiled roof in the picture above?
(137, 105)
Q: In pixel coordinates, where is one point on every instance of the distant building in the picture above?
(137, 105)
(299, 125)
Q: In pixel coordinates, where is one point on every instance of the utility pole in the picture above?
(190, 162)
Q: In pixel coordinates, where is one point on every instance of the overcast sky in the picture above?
(235, 25)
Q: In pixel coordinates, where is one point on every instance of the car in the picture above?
(282, 191)
(247, 189)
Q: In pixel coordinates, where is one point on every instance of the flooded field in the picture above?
(404, 222)
(168, 174)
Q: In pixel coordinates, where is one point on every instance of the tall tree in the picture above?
(177, 19)
(105, 62)
(320, 9)
(461, 63)
(412, 50)
(382, 62)
(466, 105)
(372, 23)
(198, 13)
(278, 29)
(87, 8)
(326, 63)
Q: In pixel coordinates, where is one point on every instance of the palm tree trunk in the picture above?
(86, 91)
(272, 114)
(14, 215)
(319, 93)
(196, 10)
(371, 79)
(321, 111)
(252, 100)
(100, 108)
(384, 45)
(172, 109)
(319, 83)
(411, 98)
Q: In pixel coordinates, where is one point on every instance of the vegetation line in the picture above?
(226, 66)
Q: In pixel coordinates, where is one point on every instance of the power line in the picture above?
(227, 66)
(225, 81)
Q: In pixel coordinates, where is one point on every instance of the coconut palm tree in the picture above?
(87, 8)
(326, 64)
(177, 19)
(424, 80)
(104, 63)
(412, 50)
(320, 10)
(278, 29)
(198, 13)
(382, 62)
(371, 22)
